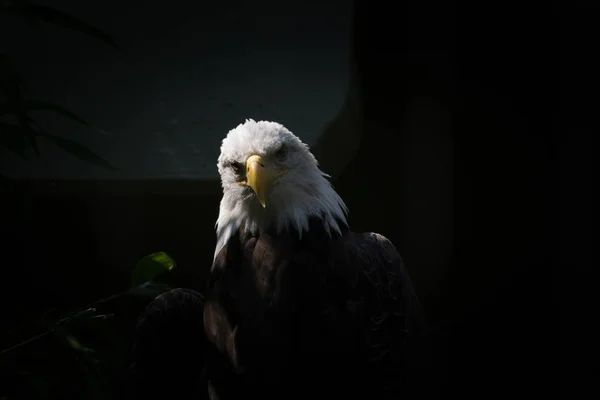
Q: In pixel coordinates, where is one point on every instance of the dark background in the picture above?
(464, 137)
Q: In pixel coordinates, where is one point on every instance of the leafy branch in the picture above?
(14, 141)
(32, 12)
(143, 282)
(16, 104)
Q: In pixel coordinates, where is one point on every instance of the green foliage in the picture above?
(151, 267)
(15, 104)
(14, 138)
(92, 364)
(34, 12)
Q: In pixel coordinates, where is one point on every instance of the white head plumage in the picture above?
(270, 178)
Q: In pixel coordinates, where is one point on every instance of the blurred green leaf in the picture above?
(13, 138)
(78, 150)
(23, 121)
(11, 86)
(150, 267)
(10, 134)
(62, 19)
(35, 105)
(9, 76)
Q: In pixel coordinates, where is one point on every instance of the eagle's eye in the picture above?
(236, 167)
(281, 153)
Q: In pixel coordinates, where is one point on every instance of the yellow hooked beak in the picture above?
(259, 177)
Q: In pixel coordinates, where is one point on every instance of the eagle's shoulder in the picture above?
(373, 248)
(370, 256)
(381, 295)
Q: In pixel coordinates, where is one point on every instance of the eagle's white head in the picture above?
(270, 178)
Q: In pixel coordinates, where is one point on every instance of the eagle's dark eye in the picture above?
(281, 153)
(236, 167)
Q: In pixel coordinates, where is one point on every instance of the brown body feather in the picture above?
(289, 317)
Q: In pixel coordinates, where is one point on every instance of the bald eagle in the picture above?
(297, 304)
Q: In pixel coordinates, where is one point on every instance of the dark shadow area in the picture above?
(449, 157)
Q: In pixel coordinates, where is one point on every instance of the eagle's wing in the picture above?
(169, 347)
(384, 301)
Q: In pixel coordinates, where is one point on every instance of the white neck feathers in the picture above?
(288, 210)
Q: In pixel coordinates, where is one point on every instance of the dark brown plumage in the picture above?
(317, 316)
